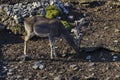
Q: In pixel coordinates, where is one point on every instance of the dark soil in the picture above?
(100, 67)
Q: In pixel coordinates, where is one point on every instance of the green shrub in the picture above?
(51, 11)
(66, 25)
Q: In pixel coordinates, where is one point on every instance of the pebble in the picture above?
(42, 67)
(103, 59)
(19, 77)
(59, 77)
(92, 64)
(74, 78)
(74, 67)
(115, 41)
(11, 70)
(115, 58)
(88, 57)
(39, 65)
(9, 73)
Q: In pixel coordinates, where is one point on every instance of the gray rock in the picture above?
(115, 58)
(36, 4)
(74, 67)
(103, 59)
(16, 6)
(89, 57)
(9, 73)
(74, 78)
(20, 4)
(91, 64)
(5, 8)
(59, 77)
(11, 70)
(42, 67)
(44, 77)
(38, 65)
(19, 77)
(71, 17)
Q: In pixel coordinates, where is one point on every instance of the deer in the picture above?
(51, 28)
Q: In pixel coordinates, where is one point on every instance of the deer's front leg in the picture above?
(25, 56)
(52, 46)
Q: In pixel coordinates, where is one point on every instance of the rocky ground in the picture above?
(101, 63)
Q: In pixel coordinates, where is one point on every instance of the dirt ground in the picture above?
(95, 65)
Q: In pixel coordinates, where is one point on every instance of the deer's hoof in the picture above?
(26, 58)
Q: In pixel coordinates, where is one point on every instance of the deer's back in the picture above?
(43, 25)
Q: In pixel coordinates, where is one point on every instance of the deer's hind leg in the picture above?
(52, 46)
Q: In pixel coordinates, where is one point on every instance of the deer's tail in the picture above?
(69, 39)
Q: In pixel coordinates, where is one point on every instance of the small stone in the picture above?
(71, 17)
(19, 77)
(9, 73)
(88, 57)
(41, 67)
(117, 30)
(11, 70)
(59, 77)
(91, 64)
(74, 67)
(45, 77)
(38, 65)
(74, 78)
(35, 67)
(115, 41)
(117, 77)
(115, 57)
(103, 59)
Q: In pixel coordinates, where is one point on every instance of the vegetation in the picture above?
(18, 29)
(66, 24)
(51, 11)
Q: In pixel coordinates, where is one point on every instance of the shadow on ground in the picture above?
(96, 55)
(6, 37)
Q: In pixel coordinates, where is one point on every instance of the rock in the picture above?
(39, 65)
(92, 64)
(44, 77)
(74, 78)
(74, 67)
(36, 4)
(9, 73)
(88, 57)
(115, 58)
(71, 17)
(19, 77)
(18, 19)
(59, 77)
(103, 59)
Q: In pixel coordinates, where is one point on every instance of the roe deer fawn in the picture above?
(51, 28)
